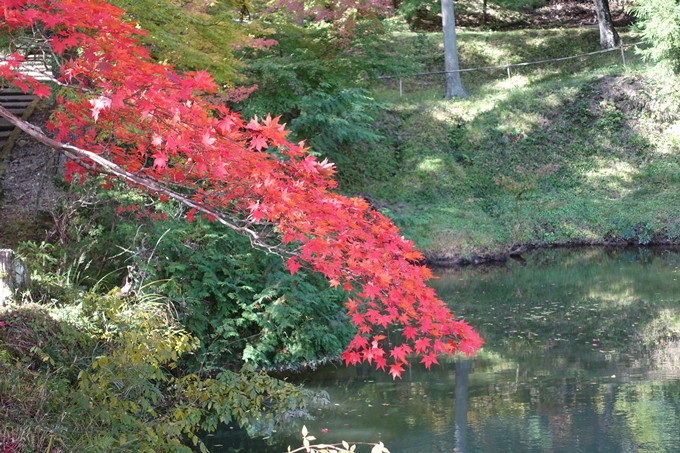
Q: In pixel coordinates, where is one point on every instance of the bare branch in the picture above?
(105, 166)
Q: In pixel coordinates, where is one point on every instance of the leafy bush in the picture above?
(194, 35)
(315, 60)
(244, 304)
(104, 376)
(331, 122)
(340, 127)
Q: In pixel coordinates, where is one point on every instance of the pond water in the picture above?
(580, 356)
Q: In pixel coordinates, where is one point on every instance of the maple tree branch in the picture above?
(105, 166)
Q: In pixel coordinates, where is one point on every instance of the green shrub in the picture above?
(658, 22)
(244, 304)
(104, 375)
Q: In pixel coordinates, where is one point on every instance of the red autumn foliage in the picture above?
(158, 125)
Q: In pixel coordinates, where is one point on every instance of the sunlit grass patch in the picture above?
(613, 175)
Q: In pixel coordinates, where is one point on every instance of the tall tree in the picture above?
(454, 86)
(126, 116)
(609, 38)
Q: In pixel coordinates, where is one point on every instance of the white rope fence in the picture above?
(620, 48)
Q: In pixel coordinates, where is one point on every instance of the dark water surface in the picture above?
(581, 356)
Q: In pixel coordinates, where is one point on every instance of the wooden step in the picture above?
(15, 105)
(12, 92)
(16, 111)
(16, 97)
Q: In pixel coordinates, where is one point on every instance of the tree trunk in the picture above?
(13, 275)
(454, 86)
(608, 36)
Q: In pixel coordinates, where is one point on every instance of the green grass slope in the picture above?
(582, 151)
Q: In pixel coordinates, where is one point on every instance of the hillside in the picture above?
(578, 152)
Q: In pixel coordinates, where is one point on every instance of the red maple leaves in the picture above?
(155, 123)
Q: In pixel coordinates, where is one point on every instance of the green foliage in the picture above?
(194, 36)
(340, 127)
(31, 338)
(103, 375)
(331, 122)
(242, 303)
(314, 61)
(426, 14)
(418, 11)
(658, 22)
(86, 250)
(138, 378)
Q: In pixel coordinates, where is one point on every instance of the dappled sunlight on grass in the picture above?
(430, 165)
(441, 114)
(514, 82)
(614, 175)
(615, 296)
(579, 231)
(670, 140)
(449, 240)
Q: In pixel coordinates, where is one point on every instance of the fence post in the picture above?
(623, 54)
(507, 66)
(401, 91)
(13, 275)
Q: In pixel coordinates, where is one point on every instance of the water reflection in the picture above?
(462, 380)
(581, 356)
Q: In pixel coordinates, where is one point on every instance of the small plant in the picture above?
(342, 447)
(610, 119)
(37, 255)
